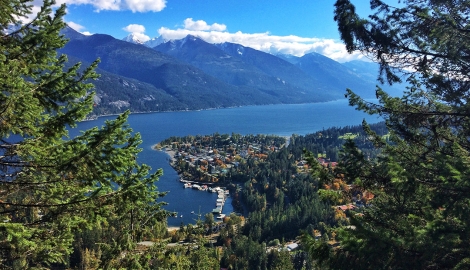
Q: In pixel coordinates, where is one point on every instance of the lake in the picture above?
(282, 120)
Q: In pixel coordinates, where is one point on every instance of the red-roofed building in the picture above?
(346, 207)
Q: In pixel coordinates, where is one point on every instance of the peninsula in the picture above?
(212, 158)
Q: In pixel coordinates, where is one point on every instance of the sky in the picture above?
(294, 27)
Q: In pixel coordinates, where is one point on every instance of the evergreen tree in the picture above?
(52, 186)
(419, 216)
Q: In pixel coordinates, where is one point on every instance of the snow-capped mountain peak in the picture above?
(155, 41)
(133, 38)
(137, 39)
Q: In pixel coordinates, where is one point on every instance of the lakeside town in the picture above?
(205, 162)
(209, 159)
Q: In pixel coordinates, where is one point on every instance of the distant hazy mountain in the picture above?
(190, 74)
(369, 71)
(289, 58)
(275, 67)
(329, 72)
(252, 68)
(133, 38)
(311, 74)
(155, 41)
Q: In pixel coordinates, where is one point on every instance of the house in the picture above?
(367, 195)
(346, 207)
(292, 246)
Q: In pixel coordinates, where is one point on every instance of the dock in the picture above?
(222, 195)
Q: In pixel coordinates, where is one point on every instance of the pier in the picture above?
(222, 195)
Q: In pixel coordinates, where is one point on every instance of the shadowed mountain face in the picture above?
(193, 74)
(359, 76)
(329, 72)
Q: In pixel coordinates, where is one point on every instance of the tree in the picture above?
(203, 258)
(209, 222)
(52, 186)
(279, 260)
(419, 216)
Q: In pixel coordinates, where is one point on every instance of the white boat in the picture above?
(221, 216)
(187, 185)
(192, 212)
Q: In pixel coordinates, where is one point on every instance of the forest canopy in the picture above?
(419, 216)
(53, 187)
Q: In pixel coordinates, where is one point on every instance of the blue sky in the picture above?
(295, 26)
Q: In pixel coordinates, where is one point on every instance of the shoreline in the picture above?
(172, 228)
(171, 153)
(95, 117)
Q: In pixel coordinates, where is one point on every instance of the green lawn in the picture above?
(348, 135)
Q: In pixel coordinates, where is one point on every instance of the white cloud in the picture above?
(201, 25)
(75, 26)
(266, 42)
(145, 5)
(132, 5)
(141, 37)
(134, 28)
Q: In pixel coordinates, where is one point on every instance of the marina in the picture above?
(222, 195)
(221, 200)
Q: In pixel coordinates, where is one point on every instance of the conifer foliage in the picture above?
(419, 218)
(52, 186)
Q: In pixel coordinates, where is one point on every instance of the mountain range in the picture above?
(191, 74)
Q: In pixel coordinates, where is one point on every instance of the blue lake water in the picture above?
(282, 120)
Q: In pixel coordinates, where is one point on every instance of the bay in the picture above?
(282, 120)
